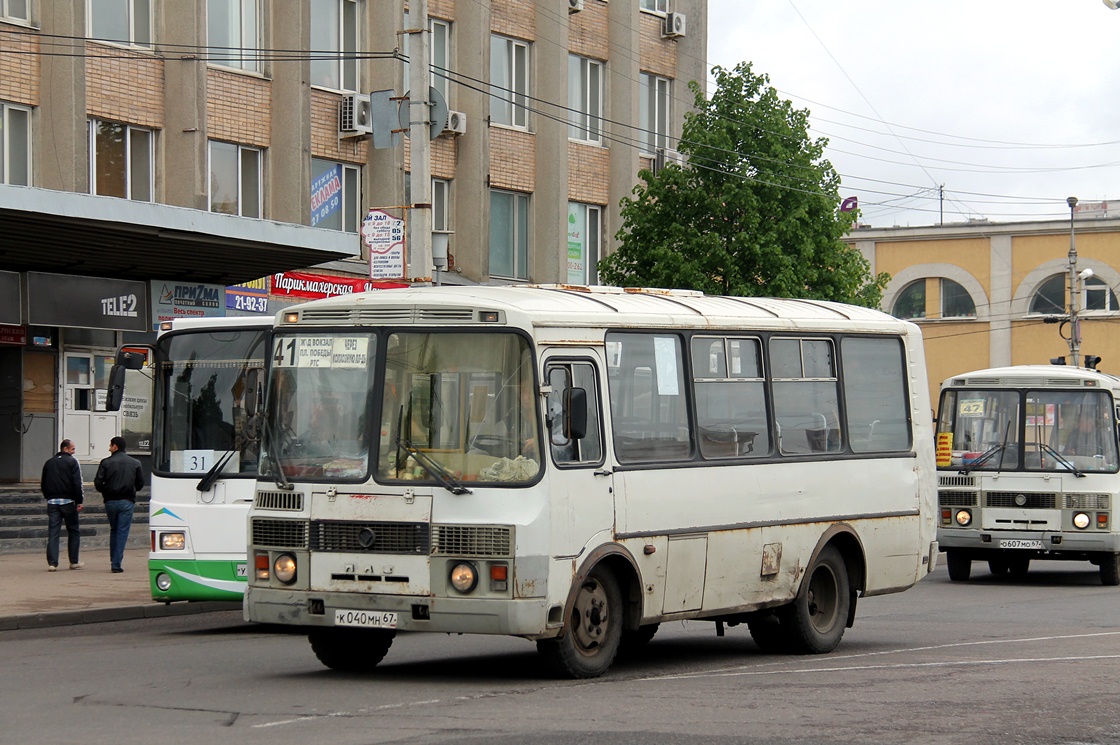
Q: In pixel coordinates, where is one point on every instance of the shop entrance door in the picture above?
(84, 418)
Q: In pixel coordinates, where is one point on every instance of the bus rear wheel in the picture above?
(960, 566)
(997, 566)
(1110, 570)
(351, 650)
(634, 641)
(814, 622)
(590, 639)
(768, 633)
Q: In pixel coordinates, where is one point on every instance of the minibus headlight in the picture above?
(464, 577)
(172, 541)
(1081, 520)
(963, 518)
(284, 568)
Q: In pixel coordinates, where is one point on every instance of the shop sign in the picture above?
(86, 302)
(10, 298)
(248, 297)
(13, 335)
(171, 300)
(318, 286)
(383, 236)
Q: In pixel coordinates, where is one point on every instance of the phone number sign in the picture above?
(383, 236)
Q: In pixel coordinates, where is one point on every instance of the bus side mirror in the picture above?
(115, 394)
(575, 413)
(252, 390)
(129, 360)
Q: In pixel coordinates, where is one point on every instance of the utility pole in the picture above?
(419, 124)
(1074, 295)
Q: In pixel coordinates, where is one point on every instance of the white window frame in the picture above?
(129, 170)
(240, 151)
(439, 52)
(655, 110)
(1097, 286)
(589, 245)
(585, 99)
(441, 205)
(345, 40)
(654, 6)
(520, 258)
(7, 130)
(351, 195)
(138, 35)
(246, 54)
(6, 10)
(509, 63)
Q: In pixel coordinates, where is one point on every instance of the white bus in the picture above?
(577, 465)
(206, 374)
(1027, 462)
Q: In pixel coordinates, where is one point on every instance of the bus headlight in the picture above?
(172, 541)
(464, 577)
(284, 568)
(1081, 520)
(963, 518)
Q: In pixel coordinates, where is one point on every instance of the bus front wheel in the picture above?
(351, 650)
(1110, 570)
(960, 566)
(814, 622)
(590, 640)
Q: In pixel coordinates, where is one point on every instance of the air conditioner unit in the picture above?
(674, 27)
(354, 117)
(575, 6)
(456, 123)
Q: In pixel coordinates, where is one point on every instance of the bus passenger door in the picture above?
(580, 484)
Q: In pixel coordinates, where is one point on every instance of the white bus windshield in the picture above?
(1029, 430)
(201, 382)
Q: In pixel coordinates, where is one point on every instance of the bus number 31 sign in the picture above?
(383, 235)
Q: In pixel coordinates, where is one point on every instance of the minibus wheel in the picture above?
(816, 619)
(960, 566)
(1110, 570)
(351, 650)
(588, 645)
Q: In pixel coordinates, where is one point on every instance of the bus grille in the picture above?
(1085, 501)
(956, 481)
(370, 537)
(957, 498)
(279, 500)
(471, 540)
(1041, 501)
(280, 533)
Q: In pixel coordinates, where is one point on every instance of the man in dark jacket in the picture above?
(62, 488)
(118, 477)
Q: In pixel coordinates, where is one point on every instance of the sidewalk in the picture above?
(31, 597)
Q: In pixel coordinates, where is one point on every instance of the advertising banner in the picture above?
(248, 297)
(326, 195)
(86, 302)
(171, 300)
(383, 235)
(317, 286)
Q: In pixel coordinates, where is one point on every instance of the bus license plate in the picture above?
(241, 570)
(1019, 543)
(367, 619)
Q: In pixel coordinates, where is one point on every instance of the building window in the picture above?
(334, 44)
(439, 43)
(1098, 296)
(585, 99)
(16, 9)
(15, 145)
(235, 179)
(585, 230)
(122, 21)
(509, 81)
(955, 301)
(233, 33)
(911, 302)
(441, 200)
(509, 235)
(653, 119)
(1050, 297)
(120, 160)
(657, 6)
(335, 195)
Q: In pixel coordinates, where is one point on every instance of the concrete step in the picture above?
(24, 524)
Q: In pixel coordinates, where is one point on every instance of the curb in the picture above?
(123, 613)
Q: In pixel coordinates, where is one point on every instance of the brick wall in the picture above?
(515, 18)
(658, 55)
(19, 65)
(513, 159)
(588, 173)
(588, 30)
(124, 85)
(325, 142)
(238, 108)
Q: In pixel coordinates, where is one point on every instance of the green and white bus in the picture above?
(576, 465)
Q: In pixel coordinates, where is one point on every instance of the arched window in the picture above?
(1096, 296)
(911, 302)
(955, 301)
(1050, 297)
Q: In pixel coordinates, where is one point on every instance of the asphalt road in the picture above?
(993, 660)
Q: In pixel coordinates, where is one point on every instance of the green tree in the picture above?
(755, 212)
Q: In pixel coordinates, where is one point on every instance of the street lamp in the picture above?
(1114, 4)
(1074, 295)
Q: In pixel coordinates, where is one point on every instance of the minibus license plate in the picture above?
(1020, 543)
(241, 570)
(367, 619)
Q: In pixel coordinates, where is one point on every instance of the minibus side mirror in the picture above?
(115, 394)
(575, 413)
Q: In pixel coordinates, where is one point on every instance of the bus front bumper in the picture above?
(1052, 544)
(527, 618)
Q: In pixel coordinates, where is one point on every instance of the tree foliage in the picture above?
(755, 212)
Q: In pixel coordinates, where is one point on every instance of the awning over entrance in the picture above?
(67, 233)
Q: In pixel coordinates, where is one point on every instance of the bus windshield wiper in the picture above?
(273, 460)
(986, 456)
(1061, 459)
(441, 474)
(215, 472)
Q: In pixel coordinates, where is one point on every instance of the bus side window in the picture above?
(573, 383)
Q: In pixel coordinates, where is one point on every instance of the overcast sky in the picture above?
(1010, 105)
